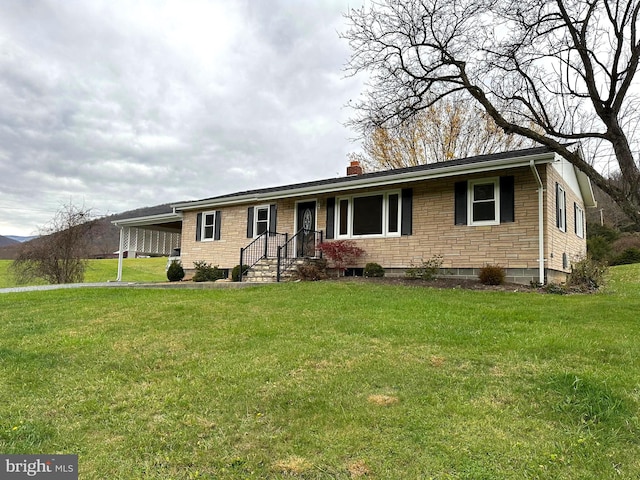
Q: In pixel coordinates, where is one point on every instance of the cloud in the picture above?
(123, 104)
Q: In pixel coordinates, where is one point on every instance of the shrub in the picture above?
(587, 274)
(373, 270)
(599, 248)
(628, 256)
(607, 233)
(492, 275)
(175, 272)
(625, 242)
(235, 273)
(311, 271)
(206, 273)
(341, 253)
(426, 270)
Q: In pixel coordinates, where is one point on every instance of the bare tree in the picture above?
(453, 128)
(59, 254)
(565, 66)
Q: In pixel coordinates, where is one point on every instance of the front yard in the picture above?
(325, 380)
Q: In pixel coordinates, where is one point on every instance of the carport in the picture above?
(150, 235)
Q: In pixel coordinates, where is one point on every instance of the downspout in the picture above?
(540, 221)
(120, 255)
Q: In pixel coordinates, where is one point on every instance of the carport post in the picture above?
(120, 255)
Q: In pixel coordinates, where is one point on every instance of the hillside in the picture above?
(105, 238)
(6, 241)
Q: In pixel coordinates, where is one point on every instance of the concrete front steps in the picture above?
(266, 270)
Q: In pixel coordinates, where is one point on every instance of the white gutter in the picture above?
(540, 221)
(356, 183)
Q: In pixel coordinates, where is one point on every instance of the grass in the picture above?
(105, 270)
(325, 380)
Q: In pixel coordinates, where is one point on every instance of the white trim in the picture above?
(496, 199)
(578, 210)
(267, 207)
(561, 208)
(203, 237)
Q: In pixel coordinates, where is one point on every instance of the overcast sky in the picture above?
(117, 105)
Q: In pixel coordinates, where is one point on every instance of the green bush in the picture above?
(205, 272)
(426, 270)
(587, 274)
(492, 275)
(311, 271)
(628, 256)
(175, 272)
(373, 270)
(599, 248)
(235, 273)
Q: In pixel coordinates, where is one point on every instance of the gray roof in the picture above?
(377, 177)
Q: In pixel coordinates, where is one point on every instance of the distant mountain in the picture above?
(105, 238)
(6, 241)
(21, 239)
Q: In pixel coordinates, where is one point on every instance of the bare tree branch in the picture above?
(548, 70)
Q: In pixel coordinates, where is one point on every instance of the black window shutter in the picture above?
(575, 218)
(199, 227)
(331, 218)
(557, 205)
(250, 222)
(216, 233)
(406, 221)
(460, 203)
(273, 213)
(507, 199)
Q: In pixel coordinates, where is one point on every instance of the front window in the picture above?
(261, 220)
(484, 202)
(208, 225)
(369, 215)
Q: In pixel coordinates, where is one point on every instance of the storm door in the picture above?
(306, 222)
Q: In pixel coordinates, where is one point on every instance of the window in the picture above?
(262, 220)
(369, 215)
(208, 225)
(484, 200)
(561, 208)
(579, 220)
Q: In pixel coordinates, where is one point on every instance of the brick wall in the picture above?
(511, 245)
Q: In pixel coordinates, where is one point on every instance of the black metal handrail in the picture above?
(289, 252)
(264, 246)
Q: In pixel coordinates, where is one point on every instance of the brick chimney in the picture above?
(354, 168)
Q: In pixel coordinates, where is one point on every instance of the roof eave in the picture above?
(148, 220)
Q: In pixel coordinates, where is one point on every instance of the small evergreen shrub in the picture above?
(311, 271)
(587, 275)
(599, 248)
(426, 270)
(628, 256)
(492, 275)
(235, 273)
(175, 272)
(373, 270)
(205, 272)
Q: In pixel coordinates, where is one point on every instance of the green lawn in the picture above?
(325, 380)
(133, 270)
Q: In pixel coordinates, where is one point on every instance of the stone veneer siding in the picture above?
(464, 248)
